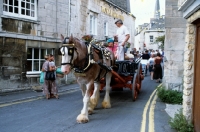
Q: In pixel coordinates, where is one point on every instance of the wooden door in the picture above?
(196, 97)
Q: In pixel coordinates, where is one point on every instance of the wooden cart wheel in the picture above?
(139, 73)
(134, 88)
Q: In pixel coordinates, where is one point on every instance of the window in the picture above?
(105, 28)
(35, 58)
(93, 25)
(20, 8)
(151, 38)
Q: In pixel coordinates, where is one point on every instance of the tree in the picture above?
(160, 41)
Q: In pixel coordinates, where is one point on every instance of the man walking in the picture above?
(122, 35)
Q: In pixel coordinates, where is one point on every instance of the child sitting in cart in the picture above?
(112, 46)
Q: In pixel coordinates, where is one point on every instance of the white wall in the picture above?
(152, 45)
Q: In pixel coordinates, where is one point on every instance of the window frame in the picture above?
(39, 59)
(19, 14)
(93, 24)
(105, 28)
(151, 39)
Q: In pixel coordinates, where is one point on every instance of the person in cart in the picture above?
(112, 46)
(122, 35)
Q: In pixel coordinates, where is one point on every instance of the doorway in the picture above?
(196, 97)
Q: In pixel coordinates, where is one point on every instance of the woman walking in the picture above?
(46, 85)
(157, 68)
(52, 67)
(49, 86)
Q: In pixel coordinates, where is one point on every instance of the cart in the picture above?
(126, 74)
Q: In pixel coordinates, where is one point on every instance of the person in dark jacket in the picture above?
(145, 56)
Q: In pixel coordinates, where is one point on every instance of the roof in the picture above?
(117, 4)
(157, 23)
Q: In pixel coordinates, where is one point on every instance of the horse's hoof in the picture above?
(82, 118)
(106, 105)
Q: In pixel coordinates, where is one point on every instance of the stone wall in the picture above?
(19, 34)
(13, 59)
(189, 65)
(80, 19)
(174, 46)
(53, 17)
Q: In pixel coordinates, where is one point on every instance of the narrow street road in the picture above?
(41, 115)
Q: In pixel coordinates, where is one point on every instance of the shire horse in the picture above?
(75, 56)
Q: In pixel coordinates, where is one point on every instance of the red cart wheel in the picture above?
(134, 88)
(139, 76)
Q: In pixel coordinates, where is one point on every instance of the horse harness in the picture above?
(93, 46)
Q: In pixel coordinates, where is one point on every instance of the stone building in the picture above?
(182, 45)
(29, 29)
(147, 32)
(191, 76)
(174, 46)
(97, 17)
(156, 29)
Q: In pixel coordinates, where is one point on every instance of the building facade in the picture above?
(30, 29)
(97, 17)
(140, 36)
(174, 46)
(156, 29)
(191, 93)
(148, 32)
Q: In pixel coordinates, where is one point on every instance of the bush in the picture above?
(170, 96)
(180, 123)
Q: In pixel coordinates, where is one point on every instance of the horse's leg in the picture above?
(83, 89)
(94, 98)
(106, 102)
(83, 117)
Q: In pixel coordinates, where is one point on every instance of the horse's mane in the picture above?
(81, 50)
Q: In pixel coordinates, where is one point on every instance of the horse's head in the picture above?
(68, 54)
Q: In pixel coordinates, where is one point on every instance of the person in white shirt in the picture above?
(151, 65)
(122, 35)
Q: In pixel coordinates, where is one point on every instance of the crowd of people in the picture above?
(118, 47)
(155, 58)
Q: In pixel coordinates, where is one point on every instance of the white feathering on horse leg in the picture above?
(83, 117)
(83, 89)
(94, 98)
(106, 102)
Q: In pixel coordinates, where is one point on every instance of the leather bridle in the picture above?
(71, 48)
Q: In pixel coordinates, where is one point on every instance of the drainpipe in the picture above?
(68, 29)
(69, 19)
(56, 19)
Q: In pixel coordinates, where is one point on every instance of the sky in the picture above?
(143, 10)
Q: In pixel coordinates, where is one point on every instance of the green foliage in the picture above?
(180, 123)
(161, 40)
(170, 96)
